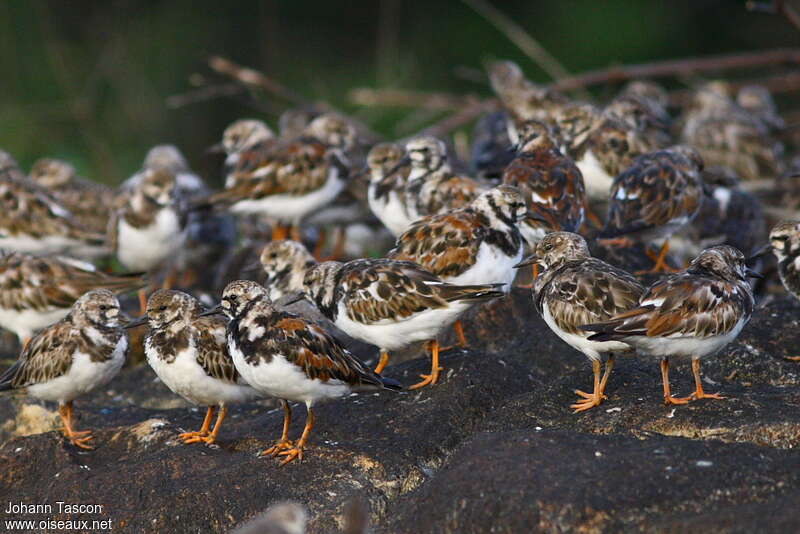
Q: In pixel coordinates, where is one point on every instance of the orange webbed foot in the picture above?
(276, 449)
(291, 454)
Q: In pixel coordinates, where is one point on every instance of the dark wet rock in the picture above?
(493, 447)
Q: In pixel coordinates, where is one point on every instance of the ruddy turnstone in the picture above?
(784, 242)
(643, 114)
(523, 99)
(89, 202)
(285, 264)
(283, 355)
(548, 180)
(289, 181)
(387, 187)
(76, 355)
(757, 100)
(189, 354)
(244, 142)
(32, 221)
(693, 314)
(659, 194)
(35, 291)
(432, 185)
(476, 245)
(727, 135)
(391, 304)
(147, 229)
(575, 289)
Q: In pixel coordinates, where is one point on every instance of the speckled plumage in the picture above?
(285, 264)
(784, 241)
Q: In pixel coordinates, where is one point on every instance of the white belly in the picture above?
(143, 249)
(685, 346)
(592, 349)
(84, 376)
(391, 212)
(291, 208)
(284, 380)
(395, 335)
(492, 266)
(185, 377)
(24, 323)
(595, 178)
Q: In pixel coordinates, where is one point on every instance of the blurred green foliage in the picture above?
(88, 81)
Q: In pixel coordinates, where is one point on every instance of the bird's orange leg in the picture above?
(434, 376)
(279, 232)
(382, 363)
(284, 442)
(668, 398)
(622, 242)
(209, 438)
(294, 233)
(142, 301)
(194, 437)
(660, 265)
(698, 383)
(319, 248)
(590, 400)
(338, 245)
(297, 450)
(77, 438)
(171, 279)
(462, 339)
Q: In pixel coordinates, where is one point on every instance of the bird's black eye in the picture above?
(162, 308)
(548, 246)
(103, 307)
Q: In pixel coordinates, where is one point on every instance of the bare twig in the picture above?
(209, 92)
(252, 77)
(524, 41)
(678, 67)
(776, 7)
(364, 96)
(460, 118)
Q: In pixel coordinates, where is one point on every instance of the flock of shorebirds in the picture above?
(539, 170)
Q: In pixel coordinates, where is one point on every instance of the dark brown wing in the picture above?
(390, 290)
(683, 305)
(447, 193)
(549, 178)
(652, 193)
(445, 245)
(47, 356)
(212, 349)
(587, 292)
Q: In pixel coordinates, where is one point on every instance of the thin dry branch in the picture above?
(365, 96)
(203, 94)
(460, 118)
(252, 77)
(777, 7)
(680, 67)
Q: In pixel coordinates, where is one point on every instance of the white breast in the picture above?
(284, 380)
(595, 177)
(492, 266)
(83, 376)
(391, 211)
(185, 377)
(143, 249)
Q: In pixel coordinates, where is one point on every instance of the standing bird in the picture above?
(476, 245)
(432, 185)
(691, 314)
(550, 182)
(37, 291)
(189, 353)
(657, 196)
(784, 242)
(283, 355)
(74, 356)
(286, 182)
(34, 222)
(285, 263)
(575, 289)
(391, 304)
(148, 229)
(386, 192)
(89, 202)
